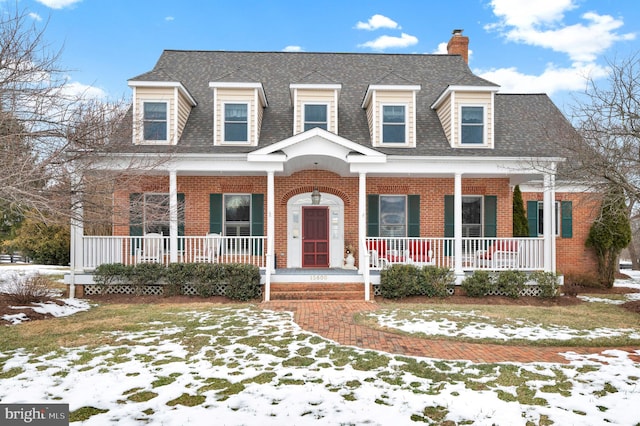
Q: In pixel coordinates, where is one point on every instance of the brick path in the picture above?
(335, 320)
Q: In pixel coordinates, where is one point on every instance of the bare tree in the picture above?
(52, 138)
(607, 118)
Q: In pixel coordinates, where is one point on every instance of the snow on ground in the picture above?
(443, 323)
(250, 366)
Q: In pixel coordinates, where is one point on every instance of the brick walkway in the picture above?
(334, 320)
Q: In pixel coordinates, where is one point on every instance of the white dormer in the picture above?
(467, 115)
(391, 113)
(237, 112)
(160, 111)
(315, 105)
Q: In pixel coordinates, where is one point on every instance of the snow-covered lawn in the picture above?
(234, 366)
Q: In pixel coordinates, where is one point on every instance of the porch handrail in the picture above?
(520, 253)
(123, 249)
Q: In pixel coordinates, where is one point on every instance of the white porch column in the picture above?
(548, 223)
(76, 242)
(457, 232)
(271, 229)
(554, 225)
(173, 216)
(362, 233)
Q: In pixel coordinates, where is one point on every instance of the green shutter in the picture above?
(136, 225)
(257, 221)
(373, 215)
(490, 216)
(567, 219)
(215, 213)
(413, 216)
(181, 209)
(532, 218)
(449, 223)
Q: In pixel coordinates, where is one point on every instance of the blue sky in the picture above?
(524, 45)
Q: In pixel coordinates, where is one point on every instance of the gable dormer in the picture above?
(467, 115)
(315, 105)
(237, 112)
(391, 114)
(160, 111)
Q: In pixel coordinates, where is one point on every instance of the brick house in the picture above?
(324, 168)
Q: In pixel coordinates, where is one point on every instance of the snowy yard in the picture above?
(243, 365)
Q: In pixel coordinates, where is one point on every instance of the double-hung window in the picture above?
(472, 216)
(472, 125)
(154, 121)
(315, 115)
(237, 215)
(393, 216)
(541, 217)
(394, 124)
(236, 122)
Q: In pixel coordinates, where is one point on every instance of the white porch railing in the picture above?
(477, 253)
(131, 250)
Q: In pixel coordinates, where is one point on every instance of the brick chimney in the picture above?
(459, 45)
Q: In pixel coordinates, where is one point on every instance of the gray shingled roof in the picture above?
(525, 125)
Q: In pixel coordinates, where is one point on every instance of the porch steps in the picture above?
(317, 291)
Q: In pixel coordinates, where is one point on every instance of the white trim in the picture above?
(453, 89)
(135, 134)
(485, 136)
(215, 116)
(224, 141)
(142, 140)
(372, 88)
(176, 102)
(406, 142)
(242, 85)
(328, 114)
(176, 84)
(335, 110)
(296, 113)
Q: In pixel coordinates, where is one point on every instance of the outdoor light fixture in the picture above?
(315, 196)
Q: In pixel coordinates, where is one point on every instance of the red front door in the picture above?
(315, 237)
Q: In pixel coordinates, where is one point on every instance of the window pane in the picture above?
(393, 215)
(235, 112)
(155, 131)
(237, 208)
(393, 114)
(155, 111)
(315, 113)
(541, 217)
(472, 134)
(393, 133)
(235, 132)
(472, 115)
(471, 216)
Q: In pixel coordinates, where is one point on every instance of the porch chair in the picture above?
(501, 254)
(377, 254)
(420, 253)
(210, 249)
(151, 250)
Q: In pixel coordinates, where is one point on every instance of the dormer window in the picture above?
(154, 119)
(391, 113)
(236, 123)
(315, 115)
(394, 124)
(472, 125)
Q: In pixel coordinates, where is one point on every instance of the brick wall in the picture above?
(571, 253)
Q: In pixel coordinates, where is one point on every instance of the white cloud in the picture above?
(169, 18)
(541, 23)
(58, 4)
(35, 16)
(387, 42)
(74, 90)
(442, 50)
(377, 22)
(552, 79)
(293, 49)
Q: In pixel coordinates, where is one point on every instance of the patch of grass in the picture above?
(285, 381)
(298, 361)
(261, 378)
(84, 413)
(164, 380)
(187, 400)
(12, 372)
(142, 396)
(608, 388)
(349, 397)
